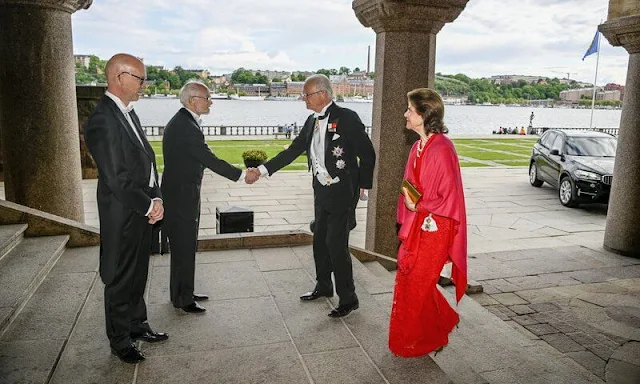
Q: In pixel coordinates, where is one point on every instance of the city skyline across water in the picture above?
(460, 119)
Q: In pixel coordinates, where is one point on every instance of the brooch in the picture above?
(337, 151)
(340, 164)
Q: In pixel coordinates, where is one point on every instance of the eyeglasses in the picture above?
(208, 98)
(140, 79)
(308, 95)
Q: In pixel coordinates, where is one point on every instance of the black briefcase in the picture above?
(234, 220)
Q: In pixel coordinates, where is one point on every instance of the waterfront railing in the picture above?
(236, 130)
(541, 130)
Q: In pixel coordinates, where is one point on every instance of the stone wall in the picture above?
(88, 97)
(623, 8)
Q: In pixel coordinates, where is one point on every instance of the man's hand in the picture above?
(157, 212)
(252, 175)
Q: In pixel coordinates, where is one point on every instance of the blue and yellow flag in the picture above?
(595, 45)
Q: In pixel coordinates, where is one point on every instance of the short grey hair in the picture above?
(321, 82)
(190, 89)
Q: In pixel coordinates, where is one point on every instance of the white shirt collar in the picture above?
(119, 103)
(196, 117)
(324, 110)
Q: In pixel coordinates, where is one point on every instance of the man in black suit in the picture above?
(342, 159)
(186, 154)
(129, 202)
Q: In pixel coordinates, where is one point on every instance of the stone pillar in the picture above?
(88, 97)
(38, 112)
(405, 59)
(622, 234)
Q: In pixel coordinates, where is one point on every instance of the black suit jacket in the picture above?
(124, 167)
(358, 156)
(186, 154)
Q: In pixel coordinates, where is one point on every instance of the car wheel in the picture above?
(566, 193)
(533, 176)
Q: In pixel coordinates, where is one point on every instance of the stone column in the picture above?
(405, 59)
(622, 234)
(38, 112)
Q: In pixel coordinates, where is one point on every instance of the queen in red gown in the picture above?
(433, 231)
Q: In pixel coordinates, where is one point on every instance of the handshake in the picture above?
(252, 175)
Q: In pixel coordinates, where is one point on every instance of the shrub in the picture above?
(254, 155)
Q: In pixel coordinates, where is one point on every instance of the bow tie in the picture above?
(322, 117)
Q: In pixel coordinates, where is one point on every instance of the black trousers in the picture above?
(331, 251)
(125, 309)
(181, 222)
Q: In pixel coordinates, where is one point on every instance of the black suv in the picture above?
(578, 163)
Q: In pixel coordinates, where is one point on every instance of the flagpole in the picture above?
(595, 81)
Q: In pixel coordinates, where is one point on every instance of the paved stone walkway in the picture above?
(543, 267)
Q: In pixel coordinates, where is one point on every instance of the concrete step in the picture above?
(378, 270)
(500, 354)
(32, 344)
(22, 270)
(10, 235)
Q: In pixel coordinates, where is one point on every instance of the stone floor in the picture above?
(543, 268)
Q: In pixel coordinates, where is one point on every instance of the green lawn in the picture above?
(474, 149)
(231, 151)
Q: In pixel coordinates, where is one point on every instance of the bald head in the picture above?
(121, 62)
(125, 77)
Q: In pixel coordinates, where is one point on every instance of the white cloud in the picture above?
(490, 37)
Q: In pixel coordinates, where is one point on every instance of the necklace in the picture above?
(421, 145)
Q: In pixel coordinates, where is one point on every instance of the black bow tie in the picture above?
(322, 117)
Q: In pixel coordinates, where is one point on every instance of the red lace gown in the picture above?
(422, 319)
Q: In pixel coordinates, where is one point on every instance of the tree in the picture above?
(276, 80)
(94, 63)
(298, 77)
(242, 76)
(344, 71)
(325, 72)
(356, 69)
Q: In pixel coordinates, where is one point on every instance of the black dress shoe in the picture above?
(198, 297)
(315, 294)
(150, 336)
(194, 308)
(131, 354)
(344, 310)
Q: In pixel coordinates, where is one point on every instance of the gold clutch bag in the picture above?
(413, 192)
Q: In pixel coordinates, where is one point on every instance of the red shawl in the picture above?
(440, 183)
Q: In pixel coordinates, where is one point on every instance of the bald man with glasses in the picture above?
(129, 202)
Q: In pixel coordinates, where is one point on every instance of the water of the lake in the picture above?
(461, 119)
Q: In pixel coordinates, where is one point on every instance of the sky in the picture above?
(490, 37)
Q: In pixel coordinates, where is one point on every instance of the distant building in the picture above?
(575, 95)
(202, 73)
(351, 86)
(509, 79)
(615, 87)
(83, 60)
(608, 95)
(219, 81)
(270, 75)
(252, 89)
(294, 88)
(278, 88)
